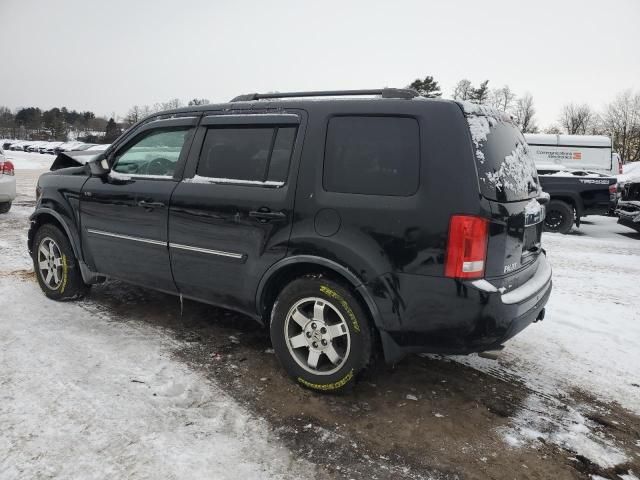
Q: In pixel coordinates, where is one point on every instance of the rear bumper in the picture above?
(454, 317)
(630, 215)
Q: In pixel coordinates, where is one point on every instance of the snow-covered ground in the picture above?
(589, 341)
(84, 396)
(30, 161)
(590, 338)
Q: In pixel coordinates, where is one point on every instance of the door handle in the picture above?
(145, 204)
(264, 215)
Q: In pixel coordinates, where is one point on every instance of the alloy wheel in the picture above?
(50, 263)
(317, 336)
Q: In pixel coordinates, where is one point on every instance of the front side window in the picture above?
(372, 156)
(247, 154)
(155, 154)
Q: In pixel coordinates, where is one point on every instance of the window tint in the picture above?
(281, 156)
(247, 154)
(156, 153)
(372, 155)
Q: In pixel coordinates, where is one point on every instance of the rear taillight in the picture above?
(6, 167)
(620, 168)
(466, 247)
(613, 189)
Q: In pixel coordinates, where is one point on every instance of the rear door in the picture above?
(124, 217)
(230, 218)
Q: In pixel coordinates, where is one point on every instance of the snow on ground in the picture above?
(85, 396)
(30, 161)
(589, 340)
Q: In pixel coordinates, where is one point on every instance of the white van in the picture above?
(575, 152)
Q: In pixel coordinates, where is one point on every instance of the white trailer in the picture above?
(575, 152)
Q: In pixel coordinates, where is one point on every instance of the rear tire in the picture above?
(5, 207)
(56, 266)
(320, 334)
(559, 217)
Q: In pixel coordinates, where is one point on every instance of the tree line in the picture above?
(620, 119)
(62, 124)
(54, 124)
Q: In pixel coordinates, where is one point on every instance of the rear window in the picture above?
(372, 155)
(506, 169)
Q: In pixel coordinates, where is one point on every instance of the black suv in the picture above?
(339, 222)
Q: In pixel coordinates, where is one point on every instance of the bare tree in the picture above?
(463, 90)
(134, 115)
(171, 104)
(621, 120)
(554, 129)
(577, 119)
(502, 98)
(524, 112)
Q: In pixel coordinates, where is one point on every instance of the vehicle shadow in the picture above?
(631, 235)
(427, 415)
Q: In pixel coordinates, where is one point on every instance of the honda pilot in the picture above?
(341, 221)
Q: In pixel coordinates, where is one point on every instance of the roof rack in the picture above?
(405, 93)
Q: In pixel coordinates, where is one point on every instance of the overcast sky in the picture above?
(108, 55)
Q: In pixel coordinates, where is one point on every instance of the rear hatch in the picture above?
(508, 180)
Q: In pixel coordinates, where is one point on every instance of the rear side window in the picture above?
(247, 154)
(372, 155)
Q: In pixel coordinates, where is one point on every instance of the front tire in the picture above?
(320, 334)
(56, 266)
(5, 207)
(559, 217)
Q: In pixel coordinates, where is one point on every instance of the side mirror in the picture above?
(99, 167)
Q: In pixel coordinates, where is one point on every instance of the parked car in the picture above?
(51, 148)
(575, 194)
(18, 146)
(99, 148)
(628, 208)
(43, 147)
(575, 152)
(35, 146)
(82, 147)
(7, 183)
(333, 222)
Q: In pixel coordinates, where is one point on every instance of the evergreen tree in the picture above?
(111, 131)
(481, 95)
(428, 87)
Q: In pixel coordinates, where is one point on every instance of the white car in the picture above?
(7, 183)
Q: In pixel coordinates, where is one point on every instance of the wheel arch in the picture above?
(289, 268)
(573, 200)
(44, 216)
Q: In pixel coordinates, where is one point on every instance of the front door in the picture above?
(124, 216)
(230, 218)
